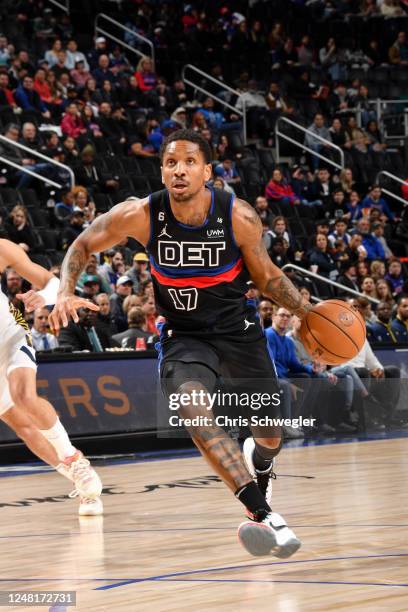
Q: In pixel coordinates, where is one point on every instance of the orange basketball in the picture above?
(333, 332)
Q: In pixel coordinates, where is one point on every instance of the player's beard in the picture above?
(186, 196)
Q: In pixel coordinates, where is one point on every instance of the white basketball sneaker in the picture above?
(268, 537)
(90, 506)
(78, 469)
(262, 479)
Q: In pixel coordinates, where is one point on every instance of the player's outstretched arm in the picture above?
(269, 279)
(130, 218)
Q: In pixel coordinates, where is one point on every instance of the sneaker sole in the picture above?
(260, 541)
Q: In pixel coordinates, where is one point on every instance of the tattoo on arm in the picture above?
(72, 266)
(284, 292)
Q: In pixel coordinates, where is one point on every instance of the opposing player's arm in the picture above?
(129, 218)
(13, 256)
(268, 278)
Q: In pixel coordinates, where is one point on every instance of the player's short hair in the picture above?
(190, 136)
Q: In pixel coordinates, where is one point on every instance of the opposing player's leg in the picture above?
(21, 393)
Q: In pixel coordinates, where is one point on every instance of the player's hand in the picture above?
(377, 373)
(31, 300)
(332, 378)
(65, 308)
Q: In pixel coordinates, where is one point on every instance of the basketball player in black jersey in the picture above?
(204, 245)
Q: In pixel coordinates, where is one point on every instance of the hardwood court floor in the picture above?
(168, 539)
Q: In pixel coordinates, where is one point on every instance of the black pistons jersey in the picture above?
(198, 272)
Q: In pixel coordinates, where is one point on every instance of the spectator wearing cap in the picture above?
(72, 124)
(139, 271)
(227, 171)
(42, 339)
(113, 267)
(100, 49)
(124, 286)
(380, 330)
(91, 286)
(145, 75)
(399, 326)
(179, 116)
(348, 277)
(72, 231)
(137, 328)
(374, 200)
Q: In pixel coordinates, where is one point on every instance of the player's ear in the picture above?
(207, 172)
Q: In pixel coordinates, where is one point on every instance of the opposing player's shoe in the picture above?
(268, 537)
(78, 469)
(262, 479)
(90, 506)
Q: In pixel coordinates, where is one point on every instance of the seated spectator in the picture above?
(61, 66)
(214, 119)
(7, 101)
(103, 72)
(72, 124)
(380, 330)
(370, 370)
(395, 276)
(371, 244)
(80, 74)
(145, 75)
(106, 93)
(398, 52)
(86, 335)
(278, 191)
(179, 116)
(65, 207)
(28, 99)
(72, 231)
(227, 171)
(347, 181)
(91, 286)
(149, 308)
(74, 56)
(377, 270)
(338, 134)
(383, 290)
(322, 187)
(319, 129)
(19, 231)
(377, 229)
(399, 325)
(219, 183)
(391, 8)
(104, 315)
(266, 310)
(139, 271)
(374, 200)
(42, 339)
(368, 287)
(353, 207)
(348, 277)
(51, 56)
(278, 250)
(137, 328)
(279, 227)
(363, 305)
(320, 258)
(339, 233)
(90, 176)
(123, 288)
(113, 267)
(374, 136)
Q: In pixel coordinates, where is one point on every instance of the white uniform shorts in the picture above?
(15, 354)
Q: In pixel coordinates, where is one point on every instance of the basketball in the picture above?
(333, 332)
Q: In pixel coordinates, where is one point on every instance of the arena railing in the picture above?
(323, 279)
(304, 147)
(394, 178)
(41, 156)
(64, 7)
(222, 86)
(139, 37)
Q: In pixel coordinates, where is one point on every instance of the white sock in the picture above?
(58, 437)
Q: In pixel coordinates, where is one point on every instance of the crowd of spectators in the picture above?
(86, 103)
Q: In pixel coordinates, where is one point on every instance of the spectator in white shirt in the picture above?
(42, 340)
